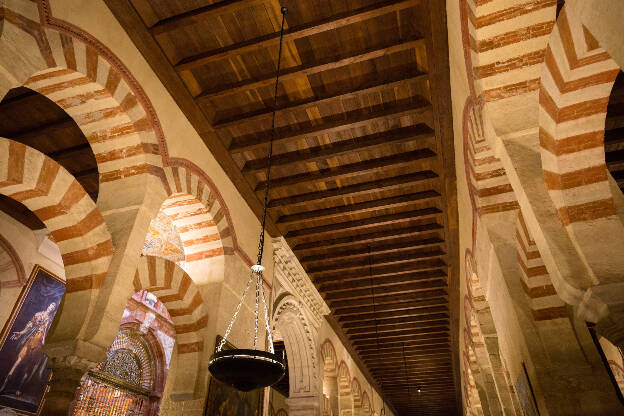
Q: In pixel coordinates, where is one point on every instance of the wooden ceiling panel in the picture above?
(362, 158)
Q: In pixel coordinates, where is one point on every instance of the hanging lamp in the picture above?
(249, 369)
(382, 412)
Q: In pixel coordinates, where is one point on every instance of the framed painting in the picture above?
(525, 394)
(23, 364)
(224, 400)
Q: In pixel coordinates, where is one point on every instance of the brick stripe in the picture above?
(73, 216)
(536, 282)
(177, 291)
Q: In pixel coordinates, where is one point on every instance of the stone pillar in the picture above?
(332, 387)
(66, 375)
(304, 406)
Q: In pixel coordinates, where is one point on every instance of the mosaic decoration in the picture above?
(162, 240)
(124, 365)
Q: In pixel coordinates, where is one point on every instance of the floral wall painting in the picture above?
(23, 371)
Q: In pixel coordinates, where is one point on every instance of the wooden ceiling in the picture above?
(363, 158)
(34, 120)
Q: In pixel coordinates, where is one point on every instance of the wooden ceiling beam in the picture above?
(405, 276)
(419, 109)
(409, 308)
(377, 271)
(357, 189)
(381, 322)
(367, 238)
(388, 290)
(368, 300)
(203, 13)
(362, 224)
(404, 339)
(398, 356)
(367, 332)
(362, 250)
(389, 258)
(442, 341)
(400, 333)
(420, 132)
(314, 67)
(352, 169)
(257, 44)
(375, 355)
(375, 86)
(359, 207)
(368, 319)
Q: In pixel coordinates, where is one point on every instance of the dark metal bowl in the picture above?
(246, 370)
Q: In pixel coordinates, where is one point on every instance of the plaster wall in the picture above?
(27, 246)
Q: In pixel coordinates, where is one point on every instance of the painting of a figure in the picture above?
(23, 371)
(224, 400)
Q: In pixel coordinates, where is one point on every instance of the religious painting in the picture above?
(23, 364)
(525, 394)
(224, 400)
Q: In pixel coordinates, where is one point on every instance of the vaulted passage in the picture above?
(439, 181)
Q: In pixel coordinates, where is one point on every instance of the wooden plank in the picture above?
(387, 258)
(392, 298)
(420, 132)
(257, 44)
(358, 189)
(203, 13)
(409, 270)
(363, 249)
(420, 271)
(356, 336)
(383, 323)
(368, 237)
(409, 308)
(438, 56)
(364, 223)
(420, 109)
(375, 86)
(352, 169)
(314, 67)
(388, 290)
(415, 338)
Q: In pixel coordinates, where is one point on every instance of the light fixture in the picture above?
(382, 412)
(249, 369)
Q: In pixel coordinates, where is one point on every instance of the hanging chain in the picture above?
(409, 392)
(229, 328)
(370, 272)
(258, 273)
(266, 318)
(270, 153)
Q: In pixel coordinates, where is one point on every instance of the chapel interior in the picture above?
(312, 207)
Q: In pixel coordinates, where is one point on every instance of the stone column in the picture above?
(304, 406)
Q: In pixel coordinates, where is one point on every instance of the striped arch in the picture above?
(488, 181)
(344, 387)
(577, 79)
(331, 391)
(299, 340)
(58, 200)
(81, 79)
(544, 302)
(356, 391)
(200, 217)
(177, 291)
(366, 404)
(478, 325)
(330, 361)
(504, 45)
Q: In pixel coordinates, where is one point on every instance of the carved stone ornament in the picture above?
(294, 278)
